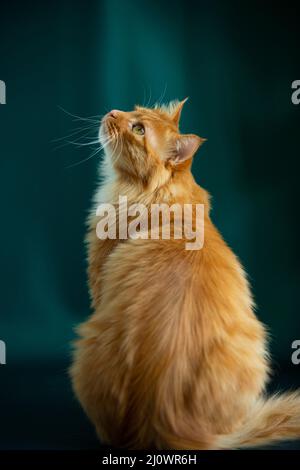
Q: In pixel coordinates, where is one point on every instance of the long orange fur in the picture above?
(173, 356)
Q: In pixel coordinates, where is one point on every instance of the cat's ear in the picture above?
(177, 112)
(184, 147)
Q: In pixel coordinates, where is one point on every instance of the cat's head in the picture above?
(146, 143)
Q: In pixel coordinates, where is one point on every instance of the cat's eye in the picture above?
(138, 129)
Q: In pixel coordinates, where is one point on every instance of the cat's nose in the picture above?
(114, 113)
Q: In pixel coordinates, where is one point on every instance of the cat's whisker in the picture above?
(93, 154)
(116, 144)
(150, 97)
(115, 147)
(77, 131)
(80, 118)
(75, 142)
(120, 152)
(85, 159)
(159, 101)
(106, 141)
(83, 144)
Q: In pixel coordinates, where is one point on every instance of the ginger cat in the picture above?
(173, 356)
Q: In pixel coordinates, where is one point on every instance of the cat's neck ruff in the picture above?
(111, 186)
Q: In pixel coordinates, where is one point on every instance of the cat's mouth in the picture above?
(108, 129)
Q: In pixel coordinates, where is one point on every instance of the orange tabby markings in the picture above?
(173, 356)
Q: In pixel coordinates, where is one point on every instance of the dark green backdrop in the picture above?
(236, 63)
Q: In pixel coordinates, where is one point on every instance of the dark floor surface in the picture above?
(38, 410)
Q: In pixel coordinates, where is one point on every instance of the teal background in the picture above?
(236, 63)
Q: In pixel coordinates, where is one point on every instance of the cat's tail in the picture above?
(271, 420)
